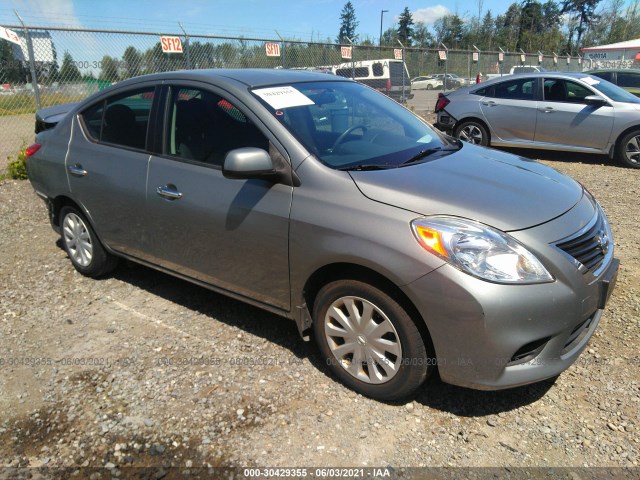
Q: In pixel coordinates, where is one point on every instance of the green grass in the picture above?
(22, 103)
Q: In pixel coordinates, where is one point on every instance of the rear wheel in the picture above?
(429, 86)
(628, 150)
(85, 251)
(369, 341)
(472, 131)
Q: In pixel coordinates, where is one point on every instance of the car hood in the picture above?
(492, 187)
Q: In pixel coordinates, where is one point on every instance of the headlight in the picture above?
(479, 250)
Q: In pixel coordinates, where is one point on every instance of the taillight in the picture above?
(442, 102)
(31, 149)
(388, 84)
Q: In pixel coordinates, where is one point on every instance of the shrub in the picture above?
(17, 169)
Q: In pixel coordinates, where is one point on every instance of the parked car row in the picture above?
(556, 111)
(397, 248)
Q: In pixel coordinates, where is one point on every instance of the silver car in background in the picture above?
(555, 111)
(401, 250)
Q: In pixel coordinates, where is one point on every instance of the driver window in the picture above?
(204, 127)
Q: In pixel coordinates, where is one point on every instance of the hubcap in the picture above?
(77, 239)
(632, 150)
(363, 340)
(471, 134)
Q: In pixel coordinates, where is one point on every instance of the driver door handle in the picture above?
(490, 103)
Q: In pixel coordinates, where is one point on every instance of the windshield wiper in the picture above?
(367, 166)
(429, 151)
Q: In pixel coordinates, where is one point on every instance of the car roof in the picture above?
(251, 77)
(578, 75)
(617, 70)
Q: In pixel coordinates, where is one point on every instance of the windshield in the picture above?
(346, 125)
(612, 91)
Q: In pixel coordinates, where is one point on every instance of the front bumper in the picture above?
(491, 336)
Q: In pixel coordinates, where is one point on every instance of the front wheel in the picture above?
(472, 132)
(85, 251)
(628, 150)
(369, 341)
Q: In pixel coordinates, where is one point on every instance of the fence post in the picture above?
(32, 62)
(284, 50)
(446, 60)
(403, 99)
(187, 55)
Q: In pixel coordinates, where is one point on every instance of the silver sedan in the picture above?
(554, 111)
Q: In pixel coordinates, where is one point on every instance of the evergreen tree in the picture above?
(69, 71)
(131, 60)
(348, 25)
(405, 27)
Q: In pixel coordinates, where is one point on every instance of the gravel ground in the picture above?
(141, 369)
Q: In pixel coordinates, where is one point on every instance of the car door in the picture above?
(229, 233)
(107, 165)
(564, 118)
(509, 109)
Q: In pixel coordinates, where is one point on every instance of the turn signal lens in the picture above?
(431, 240)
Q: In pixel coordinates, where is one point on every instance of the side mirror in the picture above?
(249, 163)
(595, 100)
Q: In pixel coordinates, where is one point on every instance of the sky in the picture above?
(307, 20)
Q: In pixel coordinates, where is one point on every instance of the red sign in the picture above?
(442, 54)
(9, 35)
(397, 53)
(346, 52)
(272, 49)
(476, 56)
(171, 44)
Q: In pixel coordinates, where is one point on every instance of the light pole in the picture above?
(381, 16)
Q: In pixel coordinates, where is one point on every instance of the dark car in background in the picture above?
(629, 79)
(400, 249)
(573, 112)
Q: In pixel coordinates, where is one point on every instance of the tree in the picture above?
(69, 71)
(109, 70)
(11, 70)
(131, 60)
(422, 36)
(389, 36)
(583, 13)
(405, 29)
(349, 24)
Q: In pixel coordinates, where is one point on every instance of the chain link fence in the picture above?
(51, 66)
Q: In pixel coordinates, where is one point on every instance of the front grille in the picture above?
(589, 247)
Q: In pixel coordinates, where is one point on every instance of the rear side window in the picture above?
(628, 80)
(360, 72)
(521, 89)
(120, 120)
(378, 69)
(608, 76)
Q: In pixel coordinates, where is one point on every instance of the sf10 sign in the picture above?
(346, 52)
(272, 49)
(171, 44)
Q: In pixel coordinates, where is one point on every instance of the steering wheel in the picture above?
(346, 133)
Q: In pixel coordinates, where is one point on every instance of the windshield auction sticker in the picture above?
(591, 81)
(283, 97)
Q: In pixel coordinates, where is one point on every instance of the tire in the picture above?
(85, 251)
(399, 367)
(628, 150)
(429, 87)
(474, 132)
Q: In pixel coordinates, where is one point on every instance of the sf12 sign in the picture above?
(9, 35)
(346, 52)
(272, 49)
(171, 44)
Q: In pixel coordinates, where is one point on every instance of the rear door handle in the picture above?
(547, 110)
(170, 192)
(77, 170)
(490, 103)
